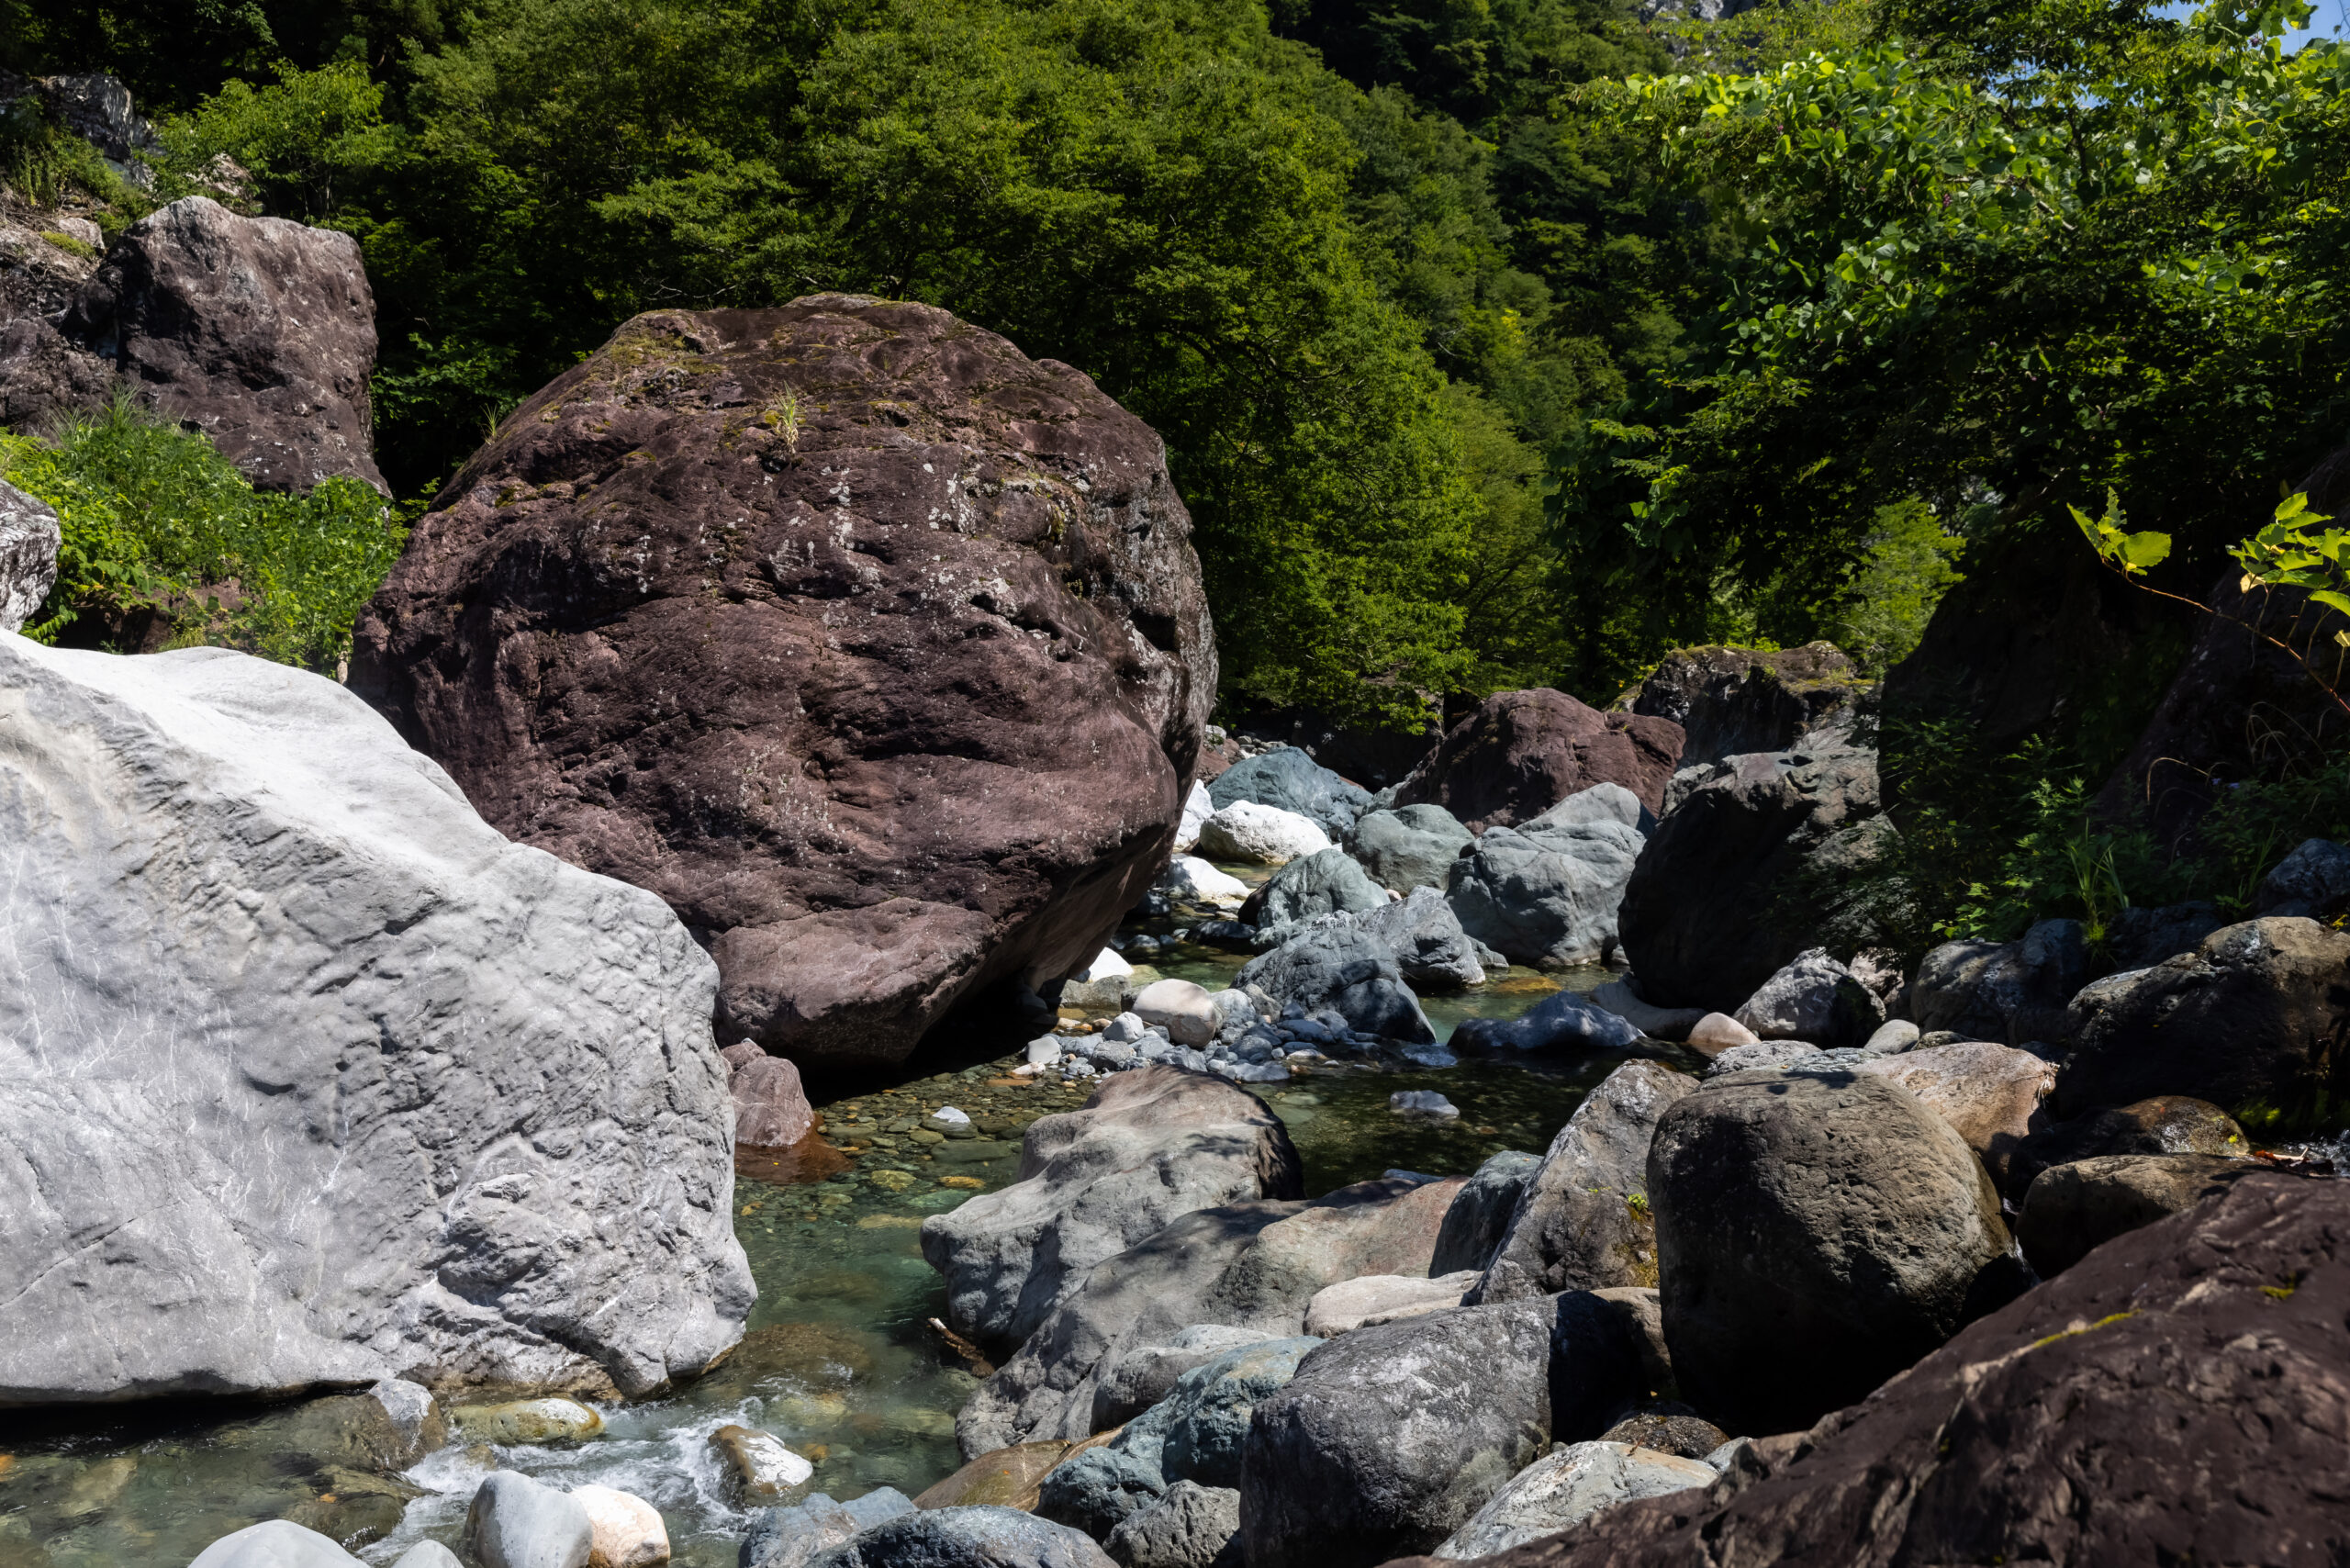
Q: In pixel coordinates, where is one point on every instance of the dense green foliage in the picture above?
(158, 525)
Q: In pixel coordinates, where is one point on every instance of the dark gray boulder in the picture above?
(787, 1538)
(1547, 893)
(2313, 881)
(2255, 1020)
(1583, 1221)
(1391, 1437)
(1408, 846)
(29, 541)
(1759, 861)
(2005, 992)
(1148, 1145)
(1817, 1232)
(1291, 781)
(964, 1538)
(1145, 1374)
(2075, 1207)
(1325, 882)
(1245, 1266)
(2168, 1123)
(1189, 1526)
(1729, 701)
(1432, 951)
(1340, 968)
(1565, 1487)
(1815, 999)
(1480, 1216)
(1562, 1020)
(273, 1543)
(2140, 938)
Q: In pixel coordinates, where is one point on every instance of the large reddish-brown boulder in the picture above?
(1520, 753)
(259, 332)
(875, 647)
(2181, 1394)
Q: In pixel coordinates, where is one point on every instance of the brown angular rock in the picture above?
(876, 648)
(1520, 753)
(2180, 1396)
(1989, 1093)
(2071, 1209)
(259, 332)
(2168, 1123)
(771, 1109)
(1729, 701)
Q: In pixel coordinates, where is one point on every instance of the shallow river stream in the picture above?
(839, 1360)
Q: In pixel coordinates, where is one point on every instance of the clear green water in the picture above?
(839, 1360)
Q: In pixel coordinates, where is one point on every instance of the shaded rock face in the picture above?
(1729, 701)
(2168, 1123)
(1337, 967)
(2313, 881)
(259, 332)
(2007, 991)
(1584, 1222)
(389, 1094)
(29, 541)
(1409, 846)
(1816, 1234)
(1149, 1146)
(1520, 753)
(2165, 1400)
(2072, 1209)
(964, 1538)
(1699, 920)
(1243, 1265)
(876, 648)
(1389, 1438)
(1479, 1217)
(2255, 1018)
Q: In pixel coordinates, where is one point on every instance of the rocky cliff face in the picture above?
(313, 1078)
(876, 648)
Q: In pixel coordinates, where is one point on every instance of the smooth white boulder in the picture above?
(627, 1531)
(1181, 1007)
(313, 1077)
(1198, 807)
(1263, 836)
(1189, 880)
(517, 1522)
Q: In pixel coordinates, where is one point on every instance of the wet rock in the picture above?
(1657, 1023)
(1423, 1105)
(1244, 1265)
(1006, 1478)
(528, 1421)
(468, 1049)
(956, 580)
(2106, 1417)
(2074, 1208)
(1189, 880)
(1150, 1144)
(1195, 1434)
(1584, 1222)
(1145, 1374)
(275, 1543)
(771, 1109)
(1408, 846)
(2255, 1017)
(2168, 1124)
(427, 1555)
(1990, 1093)
(28, 541)
(759, 1468)
(1567, 1486)
(1179, 1009)
(1189, 1526)
(1383, 1298)
(1675, 1430)
(1816, 1234)
(1729, 701)
(1562, 1020)
(1261, 836)
(1289, 778)
(516, 1522)
(1325, 882)
(787, 1538)
(964, 1538)
(1347, 971)
(1520, 753)
(1813, 998)
(627, 1531)
(1702, 920)
(1479, 1217)
(1389, 1439)
(2007, 991)
(259, 332)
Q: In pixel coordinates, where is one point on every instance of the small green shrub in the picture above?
(44, 164)
(156, 520)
